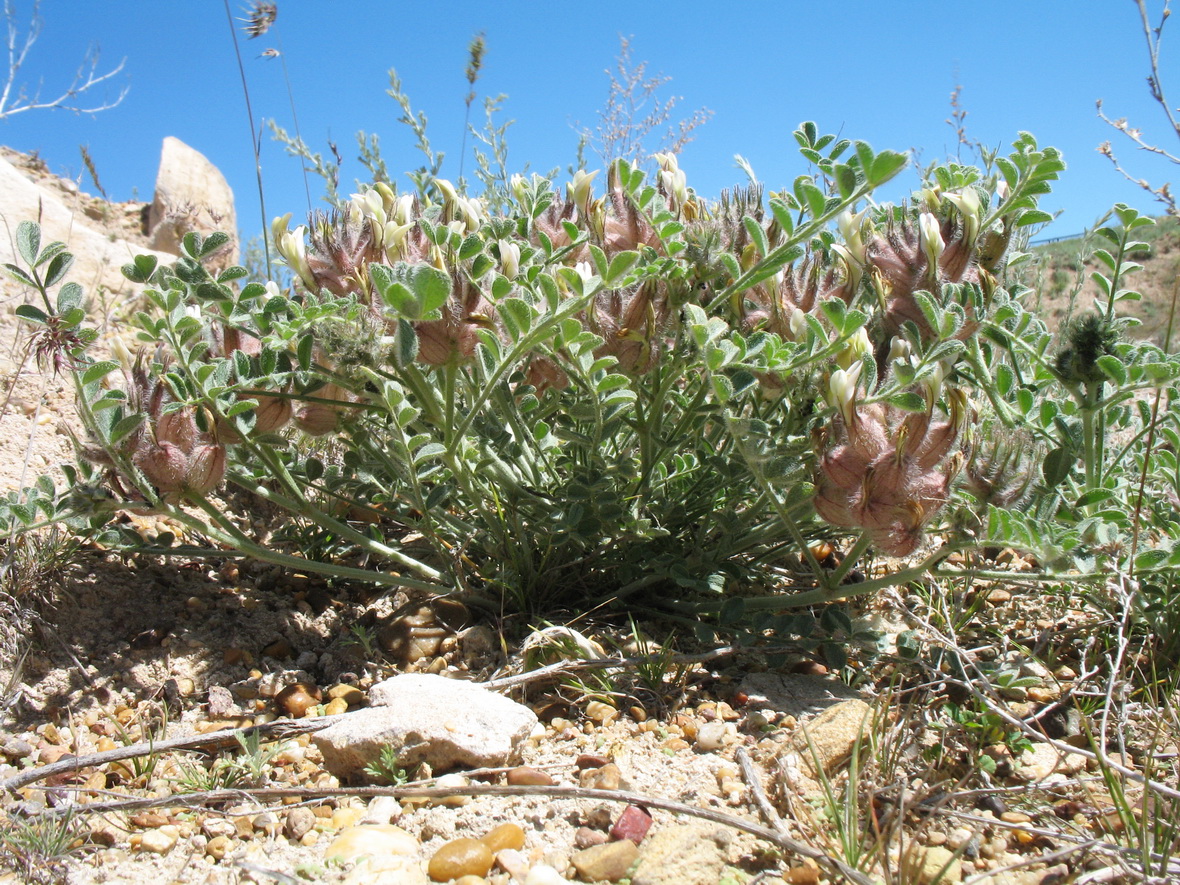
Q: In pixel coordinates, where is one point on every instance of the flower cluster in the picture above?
(176, 450)
(885, 470)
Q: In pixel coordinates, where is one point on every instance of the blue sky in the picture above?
(869, 70)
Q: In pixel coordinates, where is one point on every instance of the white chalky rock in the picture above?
(443, 722)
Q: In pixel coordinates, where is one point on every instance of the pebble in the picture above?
(958, 837)
(471, 880)
(513, 862)
(299, 823)
(524, 776)
(601, 712)
(934, 865)
(802, 875)
(452, 780)
(217, 826)
(159, 841)
(610, 861)
(632, 824)
(382, 810)
(504, 836)
(600, 817)
(280, 650)
(335, 707)
(373, 840)
(543, 874)
(588, 760)
(460, 857)
(609, 777)
(588, 838)
(218, 847)
(295, 700)
(350, 694)
(711, 736)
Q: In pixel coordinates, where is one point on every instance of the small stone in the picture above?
(1015, 817)
(372, 840)
(681, 853)
(244, 827)
(504, 836)
(149, 820)
(587, 760)
(335, 707)
(1043, 694)
(600, 817)
(388, 869)
(927, 866)
(1042, 760)
(159, 841)
(609, 777)
(958, 837)
(632, 824)
(601, 712)
(218, 847)
(350, 694)
(218, 826)
(524, 776)
(460, 857)
(471, 880)
(280, 650)
(513, 862)
(609, 862)
(802, 875)
(452, 780)
(295, 700)
(711, 737)
(15, 748)
(266, 822)
(299, 823)
(588, 838)
(543, 874)
(382, 810)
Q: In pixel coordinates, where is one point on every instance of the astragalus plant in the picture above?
(611, 391)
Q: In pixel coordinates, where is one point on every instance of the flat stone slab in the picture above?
(446, 723)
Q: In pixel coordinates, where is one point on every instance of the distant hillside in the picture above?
(1061, 274)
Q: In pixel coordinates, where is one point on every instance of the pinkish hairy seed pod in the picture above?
(272, 414)
(544, 373)
(206, 469)
(317, 418)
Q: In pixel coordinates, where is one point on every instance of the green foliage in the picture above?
(386, 770)
(37, 846)
(637, 399)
